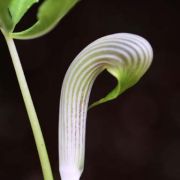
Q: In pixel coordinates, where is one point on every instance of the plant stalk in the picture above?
(38, 136)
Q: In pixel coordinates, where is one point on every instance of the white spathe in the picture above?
(124, 52)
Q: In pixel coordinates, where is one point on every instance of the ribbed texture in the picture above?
(129, 53)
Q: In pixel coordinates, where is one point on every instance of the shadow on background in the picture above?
(135, 137)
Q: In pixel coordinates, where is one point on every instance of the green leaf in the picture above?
(5, 18)
(18, 8)
(49, 14)
(11, 11)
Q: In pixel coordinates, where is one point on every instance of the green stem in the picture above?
(38, 136)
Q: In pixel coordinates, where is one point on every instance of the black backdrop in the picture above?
(137, 136)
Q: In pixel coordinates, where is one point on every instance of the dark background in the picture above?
(137, 136)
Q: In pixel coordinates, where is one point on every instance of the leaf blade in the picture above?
(18, 8)
(49, 14)
(5, 17)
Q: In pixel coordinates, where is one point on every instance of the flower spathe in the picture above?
(125, 56)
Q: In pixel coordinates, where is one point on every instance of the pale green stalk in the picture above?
(44, 160)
